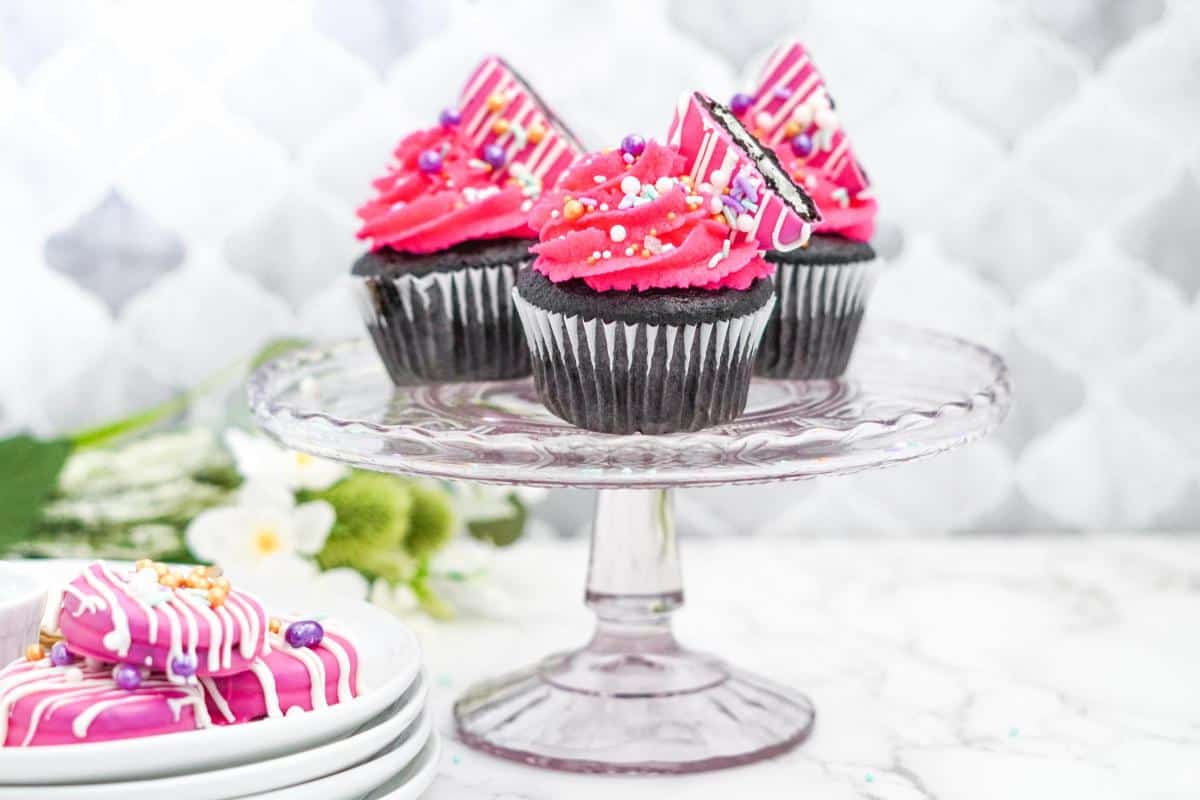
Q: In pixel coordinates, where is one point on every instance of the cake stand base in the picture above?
(693, 714)
(633, 700)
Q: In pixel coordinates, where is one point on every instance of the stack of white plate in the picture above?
(380, 746)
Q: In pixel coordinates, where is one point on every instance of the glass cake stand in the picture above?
(633, 699)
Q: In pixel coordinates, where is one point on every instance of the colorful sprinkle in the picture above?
(740, 103)
(184, 665)
(633, 145)
(572, 210)
(430, 161)
(495, 102)
(449, 117)
(493, 155)
(34, 652)
(304, 633)
(802, 145)
(127, 676)
(500, 127)
(60, 655)
(535, 133)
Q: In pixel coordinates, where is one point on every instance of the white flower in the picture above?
(264, 527)
(260, 458)
(264, 544)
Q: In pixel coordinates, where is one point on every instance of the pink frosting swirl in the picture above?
(466, 199)
(661, 235)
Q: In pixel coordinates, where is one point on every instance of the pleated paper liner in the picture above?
(619, 377)
(818, 311)
(447, 326)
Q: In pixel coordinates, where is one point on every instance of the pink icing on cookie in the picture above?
(41, 704)
(119, 615)
(286, 678)
(475, 175)
(791, 112)
(645, 224)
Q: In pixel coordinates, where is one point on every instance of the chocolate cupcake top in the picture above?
(476, 174)
(792, 112)
(693, 214)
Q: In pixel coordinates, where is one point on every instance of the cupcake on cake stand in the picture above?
(633, 699)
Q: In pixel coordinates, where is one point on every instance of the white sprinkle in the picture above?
(745, 223)
(827, 119)
(695, 199)
(802, 115)
(607, 254)
(763, 120)
(617, 233)
(628, 251)
(630, 185)
(719, 179)
(599, 178)
(664, 184)
(627, 158)
(73, 675)
(528, 204)
(555, 214)
(705, 187)
(604, 206)
(653, 244)
(596, 254)
(715, 205)
(668, 247)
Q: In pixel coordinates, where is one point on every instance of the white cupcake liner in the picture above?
(618, 377)
(452, 325)
(817, 315)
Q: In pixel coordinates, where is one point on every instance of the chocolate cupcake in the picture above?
(649, 295)
(822, 288)
(449, 231)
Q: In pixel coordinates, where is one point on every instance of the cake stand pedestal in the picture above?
(633, 699)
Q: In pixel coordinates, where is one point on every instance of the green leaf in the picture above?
(274, 349)
(502, 531)
(29, 470)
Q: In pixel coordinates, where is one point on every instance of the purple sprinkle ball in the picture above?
(494, 155)
(740, 103)
(430, 161)
(185, 665)
(449, 117)
(633, 144)
(802, 144)
(127, 676)
(60, 656)
(304, 633)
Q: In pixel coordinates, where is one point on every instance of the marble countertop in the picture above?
(981, 669)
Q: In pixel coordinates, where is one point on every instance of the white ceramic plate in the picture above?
(307, 765)
(389, 659)
(414, 779)
(22, 603)
(354, 783)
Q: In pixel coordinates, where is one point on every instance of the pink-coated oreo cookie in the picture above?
(308, 677)
(45, 704)
(713, 140)
(145, 617)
